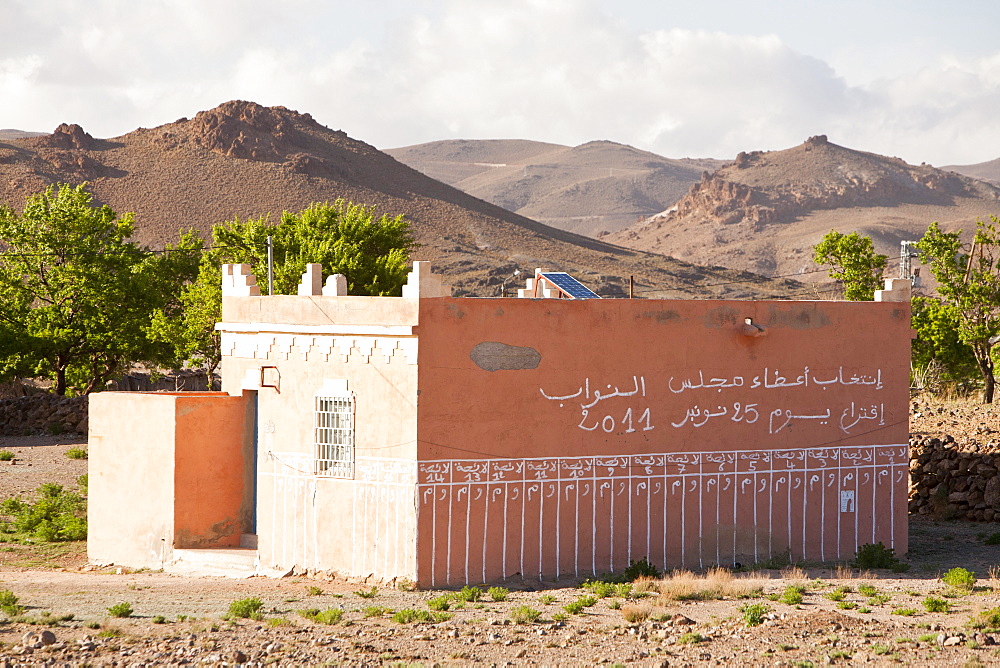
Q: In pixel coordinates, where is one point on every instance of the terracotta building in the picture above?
(465, 440)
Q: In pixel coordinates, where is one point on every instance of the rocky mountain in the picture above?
(984, 171)
(591, 189)
(245, 160)
(766, 210)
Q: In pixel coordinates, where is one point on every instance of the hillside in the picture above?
(245, 160)
(984, 171)
(593, 188)
(765, 211)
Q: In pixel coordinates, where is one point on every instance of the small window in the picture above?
(334, 436)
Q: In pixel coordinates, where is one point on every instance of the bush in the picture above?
(84, 483)
(792, 595)
(375, 611)
(329, 616)
(960, 578)
(469, 594)
(9, 605)
(932, 604)
(57, 515)
(410, 615)
(878, 556)
(640, 569)
(754, 613)
(577, 606)
(599, 588)
(367, 593)
(159, 619)
(867, 590)
(76, 453)
(246, 608)
(987, 620)
(442, 602)
(498, 594)
(6, 456)
(689, 638)
(522, 614)
(120, 610)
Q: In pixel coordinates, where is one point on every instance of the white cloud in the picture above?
(410, 72)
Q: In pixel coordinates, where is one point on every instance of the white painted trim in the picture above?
(280, 328)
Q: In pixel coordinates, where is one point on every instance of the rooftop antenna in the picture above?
(906, 252)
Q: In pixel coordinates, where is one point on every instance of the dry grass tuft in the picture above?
(645, 584)
(637, 612)
(795, 574)
(994, 576)
(717, 583)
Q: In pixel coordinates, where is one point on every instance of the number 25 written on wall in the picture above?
(608, 424)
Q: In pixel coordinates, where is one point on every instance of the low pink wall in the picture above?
(166, 471)
(568, 437)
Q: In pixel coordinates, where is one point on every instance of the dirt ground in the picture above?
(182, 620)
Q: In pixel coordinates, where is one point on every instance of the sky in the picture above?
(917, 79)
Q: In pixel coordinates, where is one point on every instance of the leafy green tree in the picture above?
(969, 282)
(853, 261)
(75, 295)
(938, 343)
(346, 238)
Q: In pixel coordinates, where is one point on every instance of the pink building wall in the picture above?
(628, 429)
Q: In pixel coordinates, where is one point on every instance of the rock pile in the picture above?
(43, 414)
(949, 481)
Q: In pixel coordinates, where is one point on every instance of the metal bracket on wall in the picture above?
(272, 379)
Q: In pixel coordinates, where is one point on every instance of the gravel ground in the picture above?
(653, 630)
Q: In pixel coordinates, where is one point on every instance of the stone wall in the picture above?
(43, 414)
(952, 482)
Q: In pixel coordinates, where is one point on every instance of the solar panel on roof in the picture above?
(569, 285)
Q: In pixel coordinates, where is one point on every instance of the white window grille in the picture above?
(334, 436)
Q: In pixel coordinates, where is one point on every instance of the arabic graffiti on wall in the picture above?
(487, 519)
(636, 413)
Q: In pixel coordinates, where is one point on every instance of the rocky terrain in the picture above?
(766, 210)
(984, 171)
(592, 189)
(245, 160)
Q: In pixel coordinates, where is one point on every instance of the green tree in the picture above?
(853, 261)
(346, 238)
(938, 343)
(969, 282)
(75, 295)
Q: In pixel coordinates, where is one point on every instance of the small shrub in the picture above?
(846, 605)
(523, 614)
(498, 594)
(329, 616)
(442, 602)
(120, 610)
(110, 633)
(615, 604)
(624, 589)
(689, 638)
(76, 453)
(905, 612)
(992, 539)
(640, 569)
(367, 593)
(880, 649)
(278, 621)
(867, 590)
(6, 456)
(406, 584)
(987, 620)
(315, 591)
(246, 608)
(879, 599)
(878, 556)
(375, 611)
(792, 595)
(159, 619)
(932, 604)
(559, 617)
(469, 594)
(9, 603)
(57, 515)
(754, 613)
(575, 607)
(546, 599)
(927, 637)
(599, 588)
(93, 625)
(960, 578)
(835, 595)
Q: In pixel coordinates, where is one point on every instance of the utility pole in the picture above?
(270, 265)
